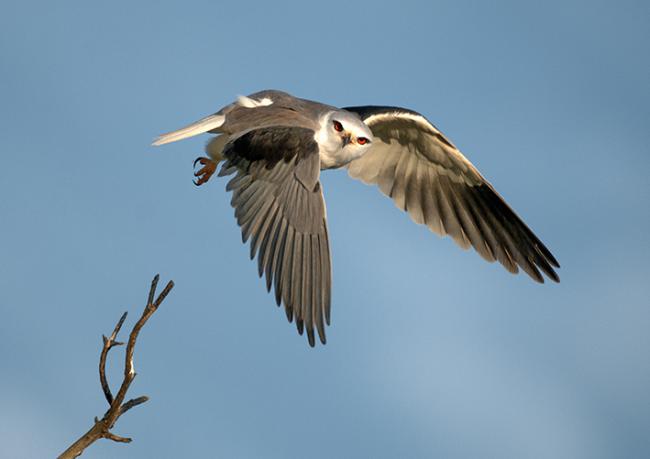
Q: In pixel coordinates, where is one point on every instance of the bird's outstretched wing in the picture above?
(279, 205)
(426, 175)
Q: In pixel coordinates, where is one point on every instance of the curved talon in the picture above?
(204, 174)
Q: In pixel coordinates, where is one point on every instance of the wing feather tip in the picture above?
(553, 276)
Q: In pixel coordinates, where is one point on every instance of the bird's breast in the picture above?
(334, 159)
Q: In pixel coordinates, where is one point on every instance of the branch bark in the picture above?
(117, 406)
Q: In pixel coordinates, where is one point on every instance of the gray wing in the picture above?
(427, 176)
(279, 205)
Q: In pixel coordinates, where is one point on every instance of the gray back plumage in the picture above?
(285, 110)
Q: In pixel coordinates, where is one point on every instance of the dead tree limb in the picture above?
(117, 406)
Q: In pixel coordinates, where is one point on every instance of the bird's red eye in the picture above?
(338, 127)
(362, 140)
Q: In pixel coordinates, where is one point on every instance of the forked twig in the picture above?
(117, 406)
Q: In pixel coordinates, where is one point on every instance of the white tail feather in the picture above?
(203, 125)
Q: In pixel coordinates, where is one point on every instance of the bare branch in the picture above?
(152, 290)
(108, 344)
(102, 427)
(133, 402)
(168, 288)
(117, 438)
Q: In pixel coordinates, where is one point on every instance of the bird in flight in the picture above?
(275, 146)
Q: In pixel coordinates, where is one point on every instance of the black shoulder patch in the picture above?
(273, 144)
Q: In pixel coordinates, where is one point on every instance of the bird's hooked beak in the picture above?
(347, 138)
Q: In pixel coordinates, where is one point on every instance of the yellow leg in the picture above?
(204, 174)
(214, 149)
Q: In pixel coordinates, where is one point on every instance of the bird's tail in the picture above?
(199, 127)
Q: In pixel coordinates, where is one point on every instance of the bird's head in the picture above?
(342, 138)
(351, 133)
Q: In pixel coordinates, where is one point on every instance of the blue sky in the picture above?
(432, 352)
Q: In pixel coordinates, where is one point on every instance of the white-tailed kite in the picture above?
(277, 144)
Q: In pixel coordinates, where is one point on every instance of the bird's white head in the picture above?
(342, 137)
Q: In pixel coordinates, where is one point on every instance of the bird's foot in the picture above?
(204, 174)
